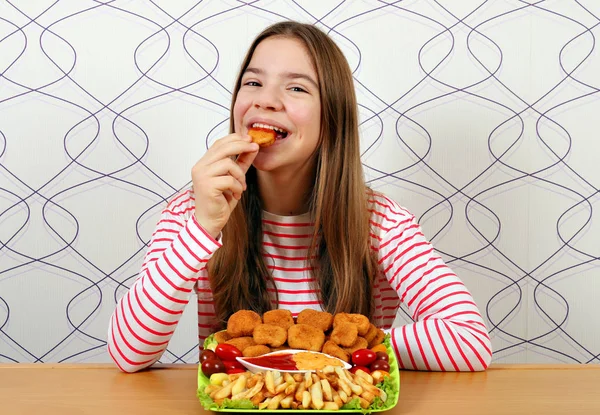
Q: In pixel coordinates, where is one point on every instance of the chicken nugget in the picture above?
(242, 323)
(362, 323)
(269, 334)
(257, 350)
(334, 350)
(264, 137)
(371, 333)
(319, 319)
(303, 336)
(360, 343)
(281, 318)
(241, 342)
(221, 336)
(344, 334)
(378, 339)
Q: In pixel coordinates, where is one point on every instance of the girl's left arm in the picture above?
(448, 333)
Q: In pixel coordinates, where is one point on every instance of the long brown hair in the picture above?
(344, 267)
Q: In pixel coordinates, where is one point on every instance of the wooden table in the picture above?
(101, 389)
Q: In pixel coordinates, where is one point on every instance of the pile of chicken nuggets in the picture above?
(337, 335)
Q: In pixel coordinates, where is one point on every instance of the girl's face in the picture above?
(280, 89)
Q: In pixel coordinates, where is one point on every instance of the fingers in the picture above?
(229, 146)
(228, 167)
(225, 184)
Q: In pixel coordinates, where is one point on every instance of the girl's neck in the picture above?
(285, 194)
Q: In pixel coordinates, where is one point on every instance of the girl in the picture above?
(294, 226)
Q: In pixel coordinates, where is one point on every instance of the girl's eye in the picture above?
(252, 83)
(297, 89)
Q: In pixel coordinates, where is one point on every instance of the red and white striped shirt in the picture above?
(448, 332)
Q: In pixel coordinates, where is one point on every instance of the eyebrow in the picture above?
(287, 75)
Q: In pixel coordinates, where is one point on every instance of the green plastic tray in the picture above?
(392, 399)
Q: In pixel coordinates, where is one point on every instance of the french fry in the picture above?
(211, 388)
(274, 403)
(298, 377)
(362, 401)
(239, 385)
(368, 387)
(281, 388)
(255, 379)
(300, 391)
(326, 387)
(364, 375)
(248, 394)
(331, 406)
(345, 387)
(368, 396)
(222, 393)
(288, 378)
(264, 403)
(306, 399)
(258, 398)
(270, 382)
(356, 389)
(307, 380)
(316, 395)
(286, 403)
(328, 369)
(343, 396)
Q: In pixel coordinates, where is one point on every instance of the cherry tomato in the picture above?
(380, 365)
(211, 366)
(227, 351)
(207, 354)
(383, 356)
(233, 364)
(363, 357)
(357, 368)
(233, 371)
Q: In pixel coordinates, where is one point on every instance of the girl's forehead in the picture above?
(282, 54)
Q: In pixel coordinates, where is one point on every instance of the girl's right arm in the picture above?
(185, 239)
(146, 316)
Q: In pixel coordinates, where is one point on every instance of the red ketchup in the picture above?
(280, 361)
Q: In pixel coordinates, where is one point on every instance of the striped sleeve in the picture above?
(146, 316)
(449, 333)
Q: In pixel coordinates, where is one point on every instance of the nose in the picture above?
(268, 98)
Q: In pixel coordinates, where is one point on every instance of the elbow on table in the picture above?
(127, 366)
(484, 357)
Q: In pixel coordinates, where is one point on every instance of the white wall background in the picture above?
(481, 117)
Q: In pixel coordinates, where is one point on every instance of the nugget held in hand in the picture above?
(344, 334)
(319, 319)
(269, 334)
(264, 137)
(303, 336)
(362, 322)
(281, 318)
(242, 323)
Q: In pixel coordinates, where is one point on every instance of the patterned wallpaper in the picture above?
(481, 117)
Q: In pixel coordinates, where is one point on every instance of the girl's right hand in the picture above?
(219, 179)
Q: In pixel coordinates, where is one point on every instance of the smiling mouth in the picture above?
(280, 133)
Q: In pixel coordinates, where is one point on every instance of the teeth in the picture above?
(259, 125)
